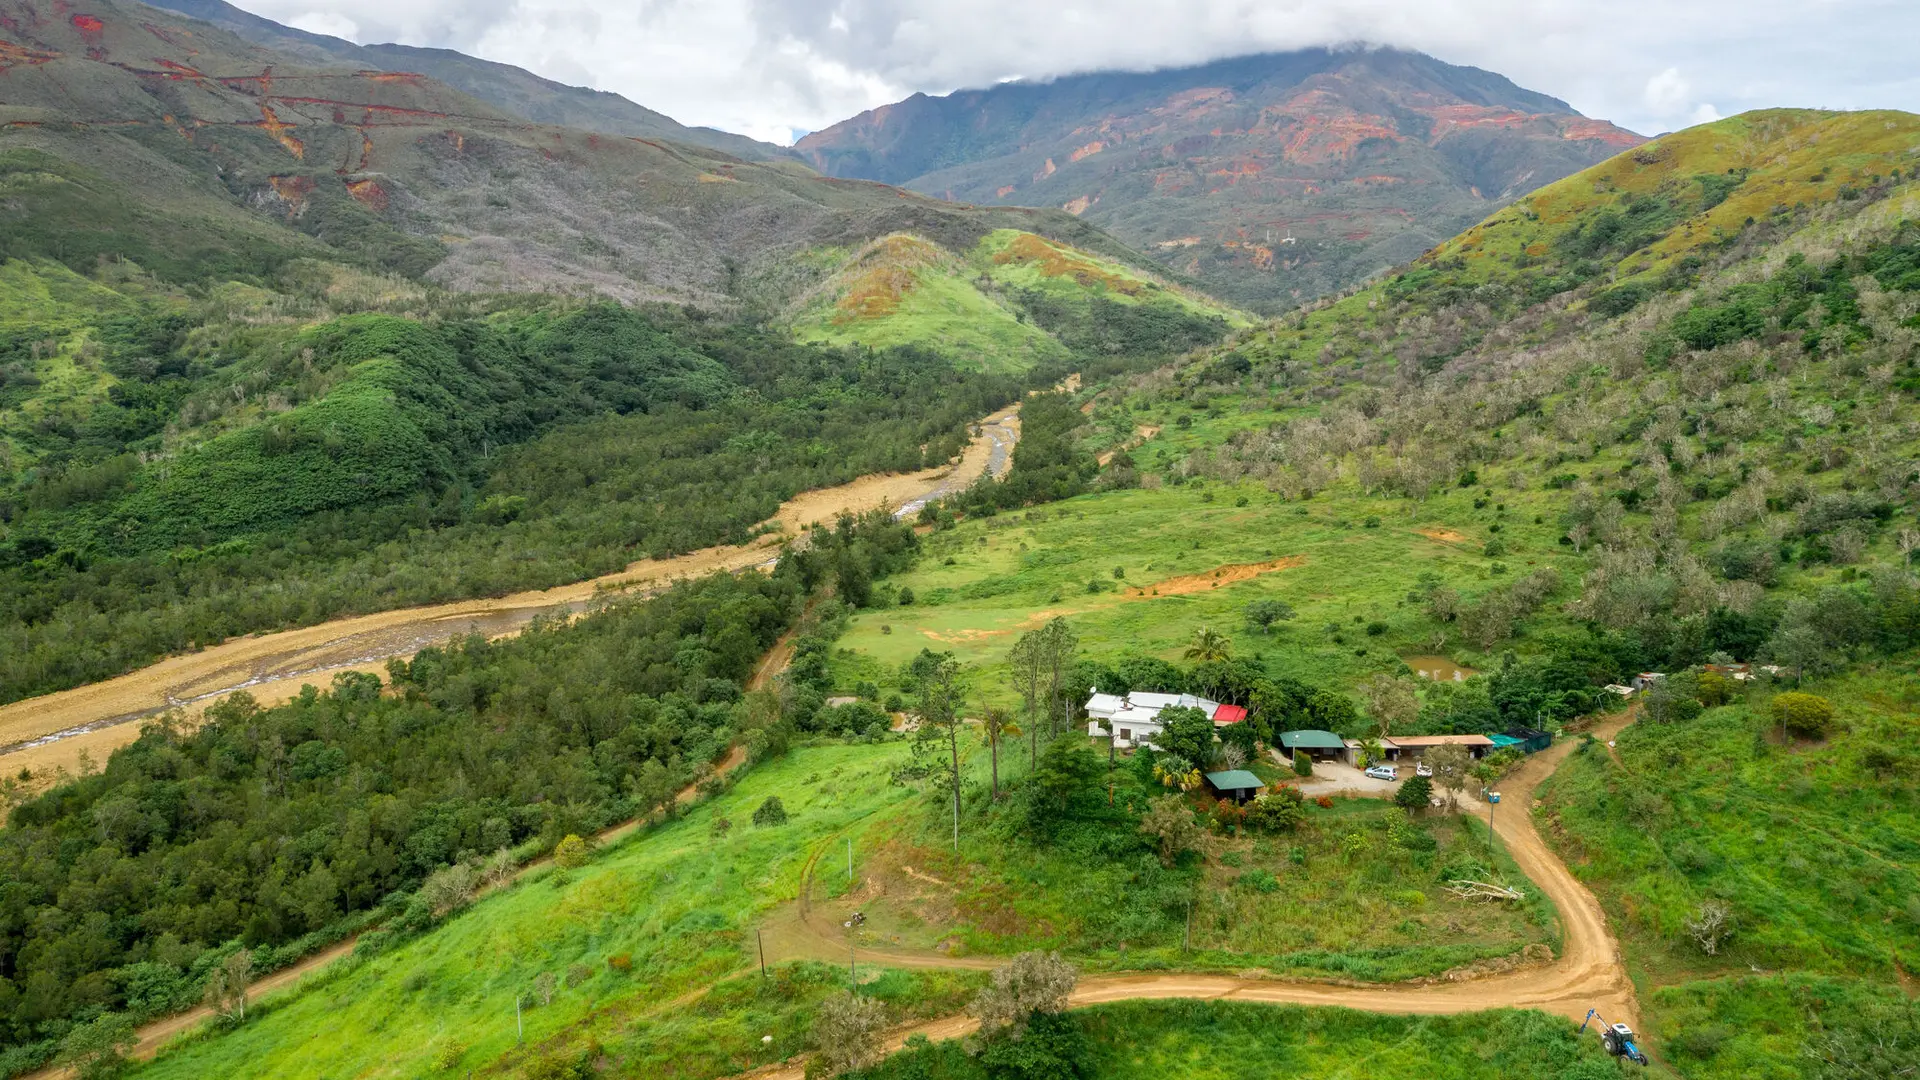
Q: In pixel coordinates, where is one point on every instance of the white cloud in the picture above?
(326, 22)
(1668, 93)
(770, 66)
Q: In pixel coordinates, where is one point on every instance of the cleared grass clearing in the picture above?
(1343, 560)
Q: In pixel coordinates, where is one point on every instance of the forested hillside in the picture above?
(183, 470)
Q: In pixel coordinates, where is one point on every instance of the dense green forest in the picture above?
(278, 829)
(396, 461)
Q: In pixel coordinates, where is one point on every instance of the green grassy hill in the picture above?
(1655, 416)
(1017, 299)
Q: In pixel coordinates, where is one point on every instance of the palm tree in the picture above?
(1209, 644)
(998, 724)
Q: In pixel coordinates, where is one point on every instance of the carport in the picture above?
(1319, 745)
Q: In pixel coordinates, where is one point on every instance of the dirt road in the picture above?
(52, 732)
(1587, 975)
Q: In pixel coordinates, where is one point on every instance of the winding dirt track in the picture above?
(1587, 975)
(52, 732)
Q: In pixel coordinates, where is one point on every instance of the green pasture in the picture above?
(1814, 847)
(1222, 1040)
(674, 906)
(983, 583)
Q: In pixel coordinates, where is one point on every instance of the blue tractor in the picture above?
(1617, 1038)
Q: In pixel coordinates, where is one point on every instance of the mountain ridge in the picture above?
(1371, 155)
(534, 97)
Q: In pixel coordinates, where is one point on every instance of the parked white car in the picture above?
(1383, 772)
(1423, 769)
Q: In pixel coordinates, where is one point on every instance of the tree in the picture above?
(98, 1049)
(1034, 983)
(1059, 646)
(847, 1031)
(1414, 795)
(1170, 824)
(1262, 615)
(770, 813)
(1808, 716)
(654, 788)
(998, 724)
(1452, 770)
(1209, 645)
(1028, 662)
(227, 985)
(1711, 926)
(936, 740)
(1669, 701)
(1187, 732)
(1302, 764)
(571, 853)
(453, 887)
(1391, 701)
(1065, 770)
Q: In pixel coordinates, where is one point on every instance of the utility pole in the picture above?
(1188, 946)
(520, 1026)
(849, 863)
(762, 942)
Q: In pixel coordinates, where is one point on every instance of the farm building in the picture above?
(1526, 740)
(1317, 744)
(1416, 746)
(1237, 784)
(1135, 718)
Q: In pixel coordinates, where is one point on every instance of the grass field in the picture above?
(675, 902)
(1202, 1040)
(1294, 903)
(1343, 560)
(1816, 848)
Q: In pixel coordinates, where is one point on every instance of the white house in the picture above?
(1135, 717)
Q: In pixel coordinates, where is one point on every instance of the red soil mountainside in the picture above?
(1271, 178)
(191, 123)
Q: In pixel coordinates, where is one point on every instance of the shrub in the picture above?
(770, 813)
(847, 1032)
(1324, 802)
(1260, 881)
(572, 853)
(1415, 794)
(905, 598)
(621, 962)
(1302, 764)
(1808, 716)
(1278, 810)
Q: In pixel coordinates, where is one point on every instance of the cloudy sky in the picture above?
(776, 68)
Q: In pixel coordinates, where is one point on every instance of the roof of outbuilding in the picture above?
(1229, 714)
(1234, 780)
(1312, 740)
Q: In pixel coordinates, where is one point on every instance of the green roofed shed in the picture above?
(1313, 741)
(1239, 784)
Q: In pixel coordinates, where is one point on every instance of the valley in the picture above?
(1305, 564)
(47, 735)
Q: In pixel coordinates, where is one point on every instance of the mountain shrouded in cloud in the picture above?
(771, 68)
(1273, 179)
